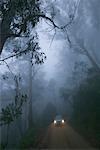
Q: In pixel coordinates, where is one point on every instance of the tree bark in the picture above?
(2, 42)
(3, 35)
(5, 31)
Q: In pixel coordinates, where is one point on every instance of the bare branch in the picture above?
(67, 37)
(53, 38)
(17, 54)
(9, 68)
(54, 24)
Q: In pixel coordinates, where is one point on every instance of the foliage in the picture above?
(12, 111)
(18, 18)
(18, 14)
(37, 57)
(31, 138)
(2, 146)
(86, 114)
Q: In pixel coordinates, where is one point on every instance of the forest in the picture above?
(49, 67)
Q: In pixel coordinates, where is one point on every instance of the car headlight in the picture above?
(55, 121)
(62, 121)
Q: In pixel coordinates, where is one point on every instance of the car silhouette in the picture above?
(59, 120)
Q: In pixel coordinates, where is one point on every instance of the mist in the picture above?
(49, 67)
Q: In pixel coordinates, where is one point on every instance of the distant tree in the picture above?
(12, 111)
(86, 112)
(81, 48)
(79, 73)
(49, 113)
(87, 25)
(33, 69)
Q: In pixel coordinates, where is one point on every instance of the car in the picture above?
(59, 120)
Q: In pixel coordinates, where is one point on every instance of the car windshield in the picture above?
(58, 117)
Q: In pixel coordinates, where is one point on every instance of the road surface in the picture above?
(63, 137)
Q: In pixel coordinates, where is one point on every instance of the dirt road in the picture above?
(63, 137)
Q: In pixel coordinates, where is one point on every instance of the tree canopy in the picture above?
(15, 16)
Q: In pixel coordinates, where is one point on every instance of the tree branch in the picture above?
(17, 54)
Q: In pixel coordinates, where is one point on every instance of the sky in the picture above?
(51, 47)
(55, 45)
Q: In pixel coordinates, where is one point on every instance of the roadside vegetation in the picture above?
(86, 113)
(32, 137)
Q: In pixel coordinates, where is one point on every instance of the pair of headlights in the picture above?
(56, 121)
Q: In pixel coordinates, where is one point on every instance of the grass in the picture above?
(31, 138)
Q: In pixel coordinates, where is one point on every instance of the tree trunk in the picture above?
(7, 138)
(3, 39)
(5, 31)
(30, 116)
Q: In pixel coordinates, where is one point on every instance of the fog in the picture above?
(52, 68)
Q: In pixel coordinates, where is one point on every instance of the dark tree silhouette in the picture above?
(86, 112)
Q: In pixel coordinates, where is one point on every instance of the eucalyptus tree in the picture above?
(83, 27)
(85, 32)
(15, 17)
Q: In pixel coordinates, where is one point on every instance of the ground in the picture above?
(63, 137)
